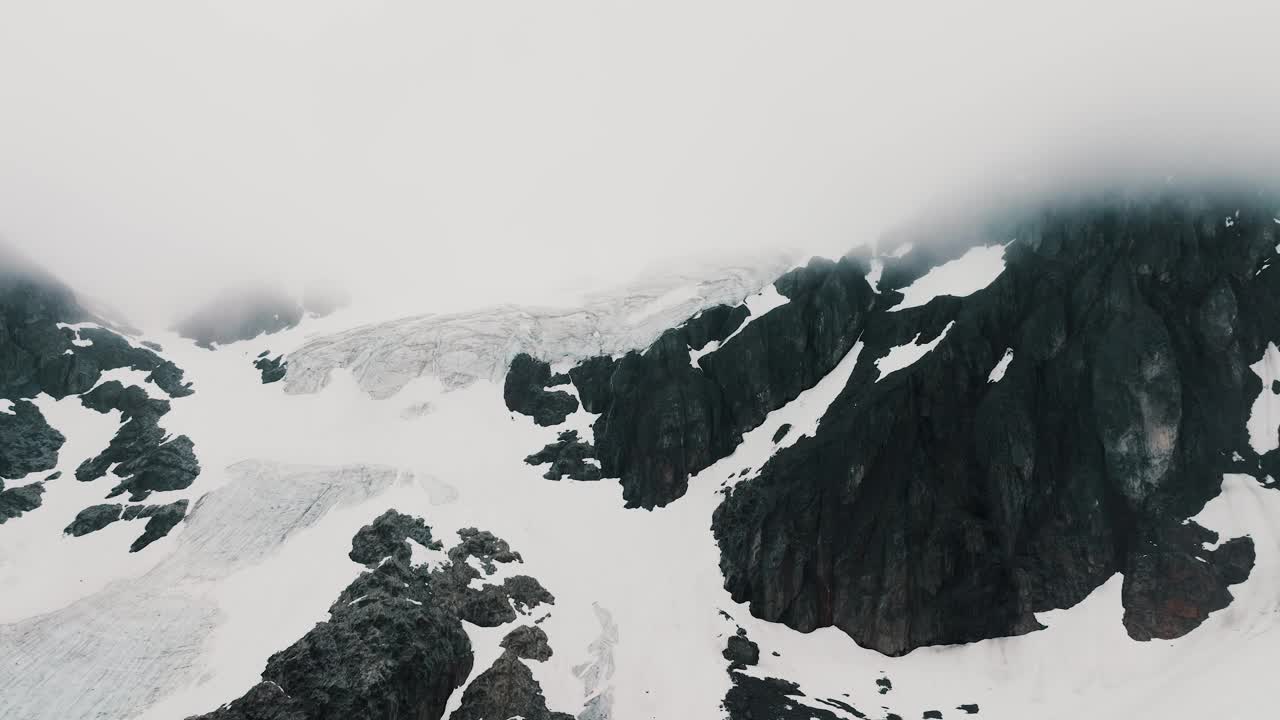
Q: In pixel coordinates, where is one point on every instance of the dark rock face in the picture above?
(782, 431)
(27, 443)
(1173, 583)
(148, 460)
(385, 537)
(751, 698)
(382, 657)
(591, 378)
(568, 456)
(160, 520)
(32, 303)
(525, 392)
(663, 419)
(936, 507)
(741, 652)
(528, 642)
(506, 690)
(241, 314)
(394, 647)
(110, 351)
(93, 519)
(39, 353)
(272, 369)
(17, 500)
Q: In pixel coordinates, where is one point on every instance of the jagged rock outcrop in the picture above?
(93, 519)
(40, 353)
(525, 392)
(528, 642)
(568, 456)
(740, 651)
(394, 647)
(386, 536)
(664, 418)
(146, 460)
(160, 520)
(15, 501)
(506, 690)
(27, 443)
(937, 505)
(750, 698)
(50, 344)
(591, 378)
(241, 314)
(1172, 583)
(272, 369)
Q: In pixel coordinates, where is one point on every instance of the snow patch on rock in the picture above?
(963, 276)
(1264, 416)
(997, 372)
(757, 304)
(904, 356)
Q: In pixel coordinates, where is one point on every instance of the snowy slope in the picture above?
(410, 415)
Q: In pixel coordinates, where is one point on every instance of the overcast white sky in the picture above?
(443, 153)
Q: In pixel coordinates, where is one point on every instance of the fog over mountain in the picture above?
(393, 360)
(437, 155)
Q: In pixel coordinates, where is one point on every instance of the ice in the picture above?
(462, 348)
(670, 299)
(963, 276)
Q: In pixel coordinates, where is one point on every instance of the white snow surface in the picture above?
(6, 406)
(997, 372)
(963, 276)
(1264, 416)
(89, 630)
(904, 356)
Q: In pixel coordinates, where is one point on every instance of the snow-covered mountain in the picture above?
(1016, 465)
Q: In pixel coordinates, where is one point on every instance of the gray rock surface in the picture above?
(15, 501)
(27, 443)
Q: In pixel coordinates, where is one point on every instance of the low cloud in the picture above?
(435, 155)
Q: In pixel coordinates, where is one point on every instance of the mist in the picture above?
(433, 156)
